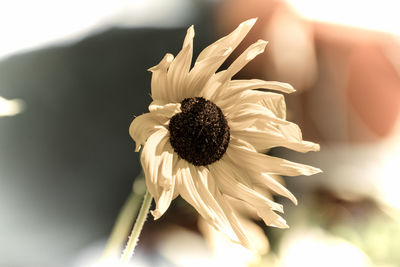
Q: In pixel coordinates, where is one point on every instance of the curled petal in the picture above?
(237, 86)
(151, 160)
(159, 84)
(145, 125)
(166, 181)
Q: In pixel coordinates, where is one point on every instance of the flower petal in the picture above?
(268, 164)
(166, 180)
(272, 101)
(255, 177)
(232, 187)
(213, 85)
(265, 207)
(241, 91)
(212, 57)
(151, 159)
(230, 41)
(202, 72)
(249, 54)
(256, 235)
(271, 218)
(159, 84)
(167, 110)
(237, 86)
(196, 186)
(144, 126)
(240, 233)
(193, 188)
(179, 69)
(265, 139)
(251, 111)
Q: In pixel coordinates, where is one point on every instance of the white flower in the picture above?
(205, 133)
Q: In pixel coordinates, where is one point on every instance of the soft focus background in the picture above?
(73, 75)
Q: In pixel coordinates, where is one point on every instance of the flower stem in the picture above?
(124, 221)
(137, 228)
(122, 225)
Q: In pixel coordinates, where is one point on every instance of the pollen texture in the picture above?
(200, 133)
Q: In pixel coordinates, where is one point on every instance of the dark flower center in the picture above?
(200, 133)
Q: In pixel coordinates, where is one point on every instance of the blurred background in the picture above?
(73, 75)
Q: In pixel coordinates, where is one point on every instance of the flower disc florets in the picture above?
(200, 133)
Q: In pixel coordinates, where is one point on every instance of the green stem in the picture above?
(137, 228)
(124, 222)
(121, 227)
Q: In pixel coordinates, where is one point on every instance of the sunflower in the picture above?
(205, 135)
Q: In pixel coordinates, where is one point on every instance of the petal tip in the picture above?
(190, 31)
(189, 36)
(261, 41)
(280, 223)
(317, 147)
(294, 200)
(156, 214)
(167, 59)
(261, 44)
(311, 171)
(318, 170)
(249, 22)
(290, 88)
(314, 170)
